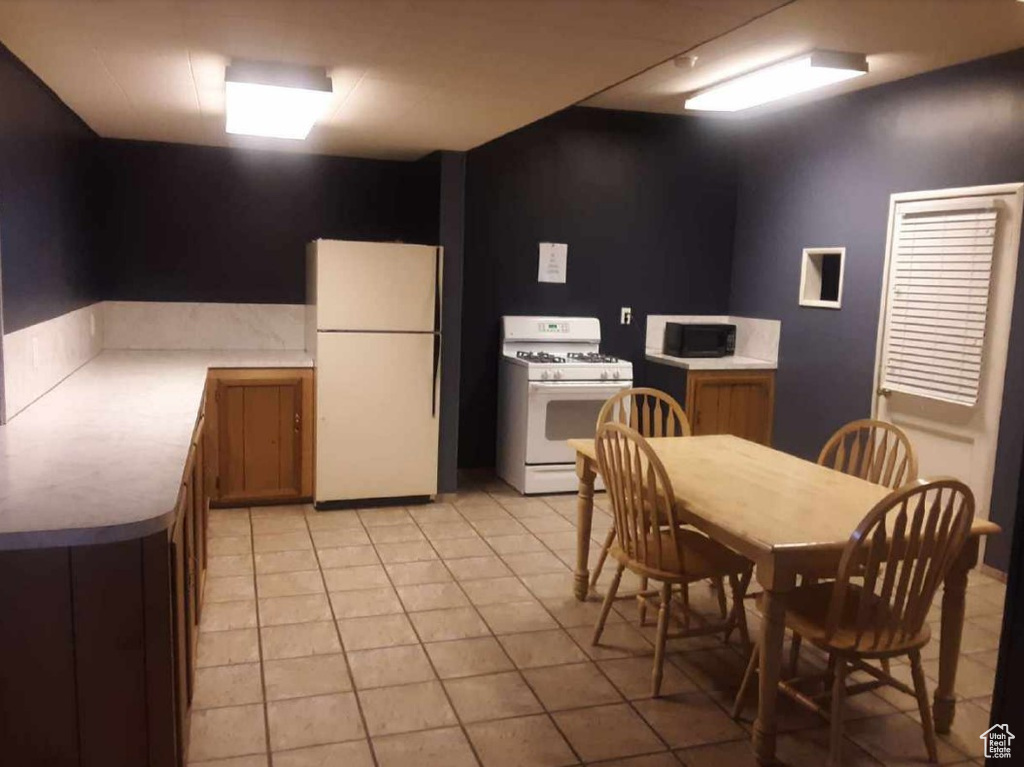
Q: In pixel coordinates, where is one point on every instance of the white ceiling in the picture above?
(900, 37)
(410, 76)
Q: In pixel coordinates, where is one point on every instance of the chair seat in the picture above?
(701, 557)
(807, 614)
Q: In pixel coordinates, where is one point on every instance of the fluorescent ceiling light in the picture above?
(275, 100)
(787, 78)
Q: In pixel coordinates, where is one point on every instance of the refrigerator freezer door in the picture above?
(377, 427)
(376, 286)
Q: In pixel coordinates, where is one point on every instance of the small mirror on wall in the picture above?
(821, 277)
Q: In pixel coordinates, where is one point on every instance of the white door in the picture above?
(377, 286)
(944, 386)
(377, 415)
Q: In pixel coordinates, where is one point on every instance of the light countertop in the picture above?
(100, 457)
(712, 363)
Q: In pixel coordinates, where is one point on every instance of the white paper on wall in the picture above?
(553, 259)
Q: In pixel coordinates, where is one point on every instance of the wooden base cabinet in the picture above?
(260, 437)
(97, 643)
(738, 402)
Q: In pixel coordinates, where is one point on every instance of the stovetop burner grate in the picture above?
(539, 357)
(595, 357)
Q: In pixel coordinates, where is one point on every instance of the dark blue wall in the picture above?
(646, 205)
(45, 198)
(191, 223)
(451, 224)
(822, 175)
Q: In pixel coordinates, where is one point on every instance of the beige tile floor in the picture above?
(448, 635)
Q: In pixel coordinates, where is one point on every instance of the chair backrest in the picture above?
(650, 412)
(873, 450)
(641, 496)
(899, 554)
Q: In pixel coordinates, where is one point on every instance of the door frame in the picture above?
(1016, 189)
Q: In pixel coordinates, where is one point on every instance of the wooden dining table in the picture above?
(787, 516)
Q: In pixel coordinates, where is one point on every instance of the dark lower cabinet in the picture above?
(97, 644)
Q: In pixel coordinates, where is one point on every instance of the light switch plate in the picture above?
(626, 317)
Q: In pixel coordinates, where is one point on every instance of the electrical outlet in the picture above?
(626, 318)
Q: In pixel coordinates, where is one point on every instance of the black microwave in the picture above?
(684, 340)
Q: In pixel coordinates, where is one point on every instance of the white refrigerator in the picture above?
(374, 329)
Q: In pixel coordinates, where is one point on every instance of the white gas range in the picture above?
(552, 383)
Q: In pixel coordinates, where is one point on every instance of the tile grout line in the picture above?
(259, 640)
(337, 631)
(473, 607)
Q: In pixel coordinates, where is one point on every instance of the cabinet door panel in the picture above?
(736, 403)
(288, 406)
(260, 440)
(262, 447)
(232, 439)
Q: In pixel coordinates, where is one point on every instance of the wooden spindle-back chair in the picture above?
(876, 609)
(651, 541)
(652, 413)
(873, 450)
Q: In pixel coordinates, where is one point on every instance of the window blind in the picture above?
(939, 280)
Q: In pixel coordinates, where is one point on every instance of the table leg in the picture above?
(773, 631)
(584, 521)
(953, 594)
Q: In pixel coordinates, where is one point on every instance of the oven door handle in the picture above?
(568, 387)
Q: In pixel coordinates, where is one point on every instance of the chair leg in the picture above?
(723, 608)
(885, 666)
(608, 541)
(738, 618)
(922, 705)
(748, 675)
(659, 644)
(642, 602)
(684, 593)
(794, 655)
(607, 606)
(835, 744)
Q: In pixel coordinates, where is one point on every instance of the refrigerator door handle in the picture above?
(437, 290)
(437, 330)
(433, 382)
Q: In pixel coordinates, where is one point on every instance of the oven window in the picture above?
(571, 419)
(703, 340)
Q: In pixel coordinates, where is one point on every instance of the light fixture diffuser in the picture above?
(275, 100)
(778, 81)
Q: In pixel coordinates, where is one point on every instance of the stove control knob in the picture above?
(544, 376)
(558, 374)
(604, 374)
(616, 374)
